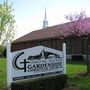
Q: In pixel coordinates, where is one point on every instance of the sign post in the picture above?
(9, 63)
(64, 58)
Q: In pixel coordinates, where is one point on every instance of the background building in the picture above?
(53, 37)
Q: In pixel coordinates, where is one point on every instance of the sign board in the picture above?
(36, 62)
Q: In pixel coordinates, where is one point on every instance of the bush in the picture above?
(77, 57)
(4, 53)
(47, 83)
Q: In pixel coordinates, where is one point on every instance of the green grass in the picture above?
(83, 83)
(74, 80)
(73, 69)
(2, 72)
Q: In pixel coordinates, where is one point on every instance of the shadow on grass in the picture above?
(77, 62)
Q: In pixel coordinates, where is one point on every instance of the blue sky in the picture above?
(29, 14)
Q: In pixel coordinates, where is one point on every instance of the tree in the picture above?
(6, 23)
(80, 27)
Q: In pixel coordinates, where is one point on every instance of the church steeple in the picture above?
(45, 22)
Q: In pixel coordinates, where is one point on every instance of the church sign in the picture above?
(35, 62)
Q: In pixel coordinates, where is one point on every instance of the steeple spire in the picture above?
(45, 14)
(45, 22)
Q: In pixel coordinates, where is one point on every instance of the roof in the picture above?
(49, 32)
(45, 33)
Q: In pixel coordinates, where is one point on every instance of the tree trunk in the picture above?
(87, 55)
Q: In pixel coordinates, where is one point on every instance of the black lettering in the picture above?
(25, 62)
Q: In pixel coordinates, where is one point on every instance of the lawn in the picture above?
(2, 72)
(82, 83)
(73, 69)
(78, 81)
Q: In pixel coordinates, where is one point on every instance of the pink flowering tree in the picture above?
(79, 27)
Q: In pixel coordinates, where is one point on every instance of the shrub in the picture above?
(4, 53)
(77, 57)
(47, 83)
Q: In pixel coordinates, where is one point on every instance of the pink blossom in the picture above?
(77, 28)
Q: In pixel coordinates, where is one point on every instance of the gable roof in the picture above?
(49, 32)
(45, 33)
